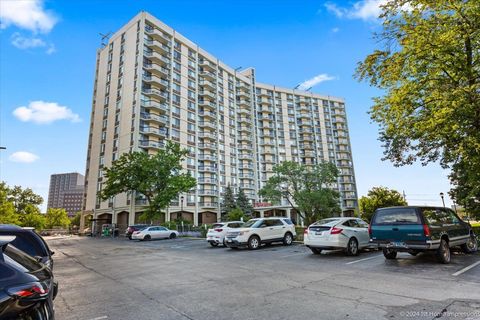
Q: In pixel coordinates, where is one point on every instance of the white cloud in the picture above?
(21, 42)
(42, 112)
(51, 49)
(26, 14)
(365, 9)
(314, 81)
(23, 157)
(335, 30)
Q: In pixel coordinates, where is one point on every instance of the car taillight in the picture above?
(426, 230)
(370, 229)
(218, 230)
(29, 290)
(305, 231)
(336, 230)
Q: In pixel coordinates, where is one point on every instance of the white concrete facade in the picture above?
(152, 84)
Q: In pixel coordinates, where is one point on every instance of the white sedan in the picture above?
(350, 234)
(154, 232)
(216, 235)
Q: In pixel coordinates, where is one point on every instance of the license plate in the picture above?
(229, 240)
(397, 244)
(319, 233)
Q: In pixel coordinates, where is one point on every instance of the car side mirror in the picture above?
(52, 252)
(38, 258)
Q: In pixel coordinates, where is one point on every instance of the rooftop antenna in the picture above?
(104, 38)
(298, 85)
(236, 69)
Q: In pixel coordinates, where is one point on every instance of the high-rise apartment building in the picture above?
(153, 84)
(66, 191)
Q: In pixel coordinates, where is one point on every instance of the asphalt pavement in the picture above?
(187, 279)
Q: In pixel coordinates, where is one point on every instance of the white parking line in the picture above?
(459, 272)
(365, 259)
(100, 318)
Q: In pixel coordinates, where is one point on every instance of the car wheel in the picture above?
(443, 252)
(253, 243)
(129, 237)
(389, 254)
(287, 239)
(224, 244)
(316, 250)
(352, 247)
(147, 237)
(172, 235)
(414, 253)
(471, 246)
(213, 244)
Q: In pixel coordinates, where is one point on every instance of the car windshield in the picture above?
(250, 223)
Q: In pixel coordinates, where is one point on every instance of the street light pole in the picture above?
(443, 201)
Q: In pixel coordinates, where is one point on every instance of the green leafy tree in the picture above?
(56, 218)
(22, 198)
(237, 215)
(228, 203)
(75, 220)
(429, 71)
(379, 197)
(159, 178)
(33, 218)
(8, 214)
(307, 189)
(243, 203)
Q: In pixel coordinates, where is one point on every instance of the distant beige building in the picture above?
(153, 84)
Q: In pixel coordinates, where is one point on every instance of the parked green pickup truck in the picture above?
(416, 229)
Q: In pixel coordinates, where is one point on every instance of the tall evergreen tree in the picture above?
(243, 203)
(228, 203)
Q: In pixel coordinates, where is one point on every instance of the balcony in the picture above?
(247, 186)
(157, 57)
(208, 104)
(207, 64)
(207, 180)
(207, 157)
(243, 102)
(161, 133)
(207, 135)
(151, 79)
(245, 147)
(265, 117)
(247, 156)
(207, 146)
(244, 111)
(207, 84)
(267, 143)
(268, 109)
(157, 69)
(304, 115)
(163, 120)
(157, 94)
(157, 45)
(246, 166)
(153, 105)
(304, 108)
(208, 114)
(268, 151)
(152, 144)
(305, 130)
(265, 101)
(246, 176)
(243, 86)
(207, 169)
(208, 75)
(244, 138)
(243, 94)
(306, 146)
(157, 35)
(207, 124)
(207, 192)
(246, 129)
(245, 120)
(208, 205)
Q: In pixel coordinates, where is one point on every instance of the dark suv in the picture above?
(416, 229)
(30, 242)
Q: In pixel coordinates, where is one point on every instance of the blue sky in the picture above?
(47, 64)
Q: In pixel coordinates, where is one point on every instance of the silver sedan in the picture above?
(154, 232)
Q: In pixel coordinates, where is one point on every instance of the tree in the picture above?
(75, 220)
(308, 189)
(379, 197)
(22, 198)
(237, 215)
(33, 218)
(228, 203)
(429, 71)
(466, 188)
(159, 178)
(243, 203)
(57, 218)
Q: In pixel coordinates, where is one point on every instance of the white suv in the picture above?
(216, 235)
(263, 230)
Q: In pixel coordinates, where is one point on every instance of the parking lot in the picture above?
(188, 279)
